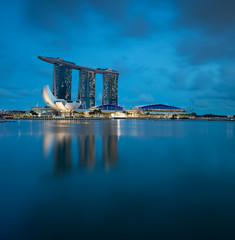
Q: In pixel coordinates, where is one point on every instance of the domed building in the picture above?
(158, 108)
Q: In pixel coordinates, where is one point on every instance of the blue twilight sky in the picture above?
(176, 52)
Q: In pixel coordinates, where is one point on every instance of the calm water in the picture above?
(119, 179)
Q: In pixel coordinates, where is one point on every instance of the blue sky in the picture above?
(176, 52)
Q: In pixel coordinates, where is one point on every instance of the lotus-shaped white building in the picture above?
(59, 105)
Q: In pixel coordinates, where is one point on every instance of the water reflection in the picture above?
(110, 142)
(62, 153)
(86, 146)
(60, 139)
(175, 179)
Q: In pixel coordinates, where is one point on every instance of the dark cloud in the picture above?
(58, 16)
(115, 10)
(214, 16)
(139, 26)
(207, 88)
(203, 80)
(210, 30)
(54, 14)
(207, 49)
(180, 79)
(50, 14)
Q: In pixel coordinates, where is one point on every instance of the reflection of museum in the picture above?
(79, 143)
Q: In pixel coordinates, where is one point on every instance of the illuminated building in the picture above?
(61, 85)
(110, 89)
(59, 105)
(86, 89)
(158, 108)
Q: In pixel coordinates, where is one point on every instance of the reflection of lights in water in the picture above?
(118, 128)
(229, 130)
(48, 142)
(134, 129)
(60, 136)
(110, 132)
(86, 145)
(19, 133)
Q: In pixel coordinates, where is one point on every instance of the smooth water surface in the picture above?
(117, 179)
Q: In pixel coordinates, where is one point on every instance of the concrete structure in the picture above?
(61, 87)
(118, 115)
(59, 105)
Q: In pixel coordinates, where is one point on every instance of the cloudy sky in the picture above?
(176, 52)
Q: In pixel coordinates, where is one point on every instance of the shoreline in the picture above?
(105, 118)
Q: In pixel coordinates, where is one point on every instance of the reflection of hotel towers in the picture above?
(109, 139)
(61, 85)
(62, 153)
(60, 142)
(86, 142)
(58, 139)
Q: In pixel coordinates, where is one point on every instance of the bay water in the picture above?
(117, 179)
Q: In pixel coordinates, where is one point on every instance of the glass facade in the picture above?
(157, 106)
(61, 85)
(86, 89)
(110, 107)
(110, 89)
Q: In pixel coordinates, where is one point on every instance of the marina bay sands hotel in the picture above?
(62, 77)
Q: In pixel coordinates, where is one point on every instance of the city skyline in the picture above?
(171, 52)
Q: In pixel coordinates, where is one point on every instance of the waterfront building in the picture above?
(61, 85)
(59, 105)
(158, 108)
(86, 88)
(108, 107)
(110, 89)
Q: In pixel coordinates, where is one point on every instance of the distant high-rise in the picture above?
(86, 89)
(61, 85)
(110, 89)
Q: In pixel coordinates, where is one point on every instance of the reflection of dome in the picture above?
(60, 105)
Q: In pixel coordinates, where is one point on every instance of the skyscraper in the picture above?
(110, 89)
(86, 89)
(61, 85)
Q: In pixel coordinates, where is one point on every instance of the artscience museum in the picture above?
(60, 105)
